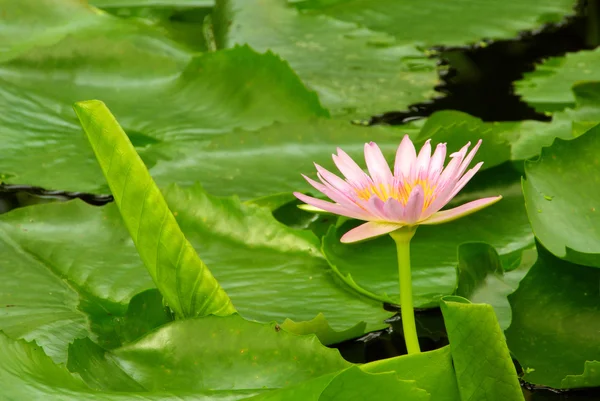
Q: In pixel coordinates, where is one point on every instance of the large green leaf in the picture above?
(556, 320)
(269, 161)
(484, 368)
(271, 272)
(563, 199)
(64, 269)
(27, 373)
(274, 365)
(548, 88)
(183, 279)
(448, 23)
(354, 70)
(181, 20)
(22, 28)
(224, 354)
(372, 265)
(70, 270)
(136, 71)
(589, 378)
(529, 137)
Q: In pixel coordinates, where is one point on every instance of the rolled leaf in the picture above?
(182, 278)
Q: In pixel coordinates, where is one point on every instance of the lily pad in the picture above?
(556, 319)
(356, 72)
(562, 205)
(444, 23)
(198, 107)
(548, 88)
(83, 269)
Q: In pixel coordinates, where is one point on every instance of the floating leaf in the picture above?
(548, 88)
(556, 319)
(443, 23)
(589, 378)
(354, 70)
(562, 203)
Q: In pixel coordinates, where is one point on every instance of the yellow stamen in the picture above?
(400, 193)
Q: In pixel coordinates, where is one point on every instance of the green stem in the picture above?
(402, 238)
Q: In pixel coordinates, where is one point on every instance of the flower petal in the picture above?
(464, 180)
(436, 165)
(465, 163)
(450, 191)
(352, 171)
(369, 230)
(378, 167)
(393, 209)
(330, 207)
(422, 165)
(337, 196)
(334, 180)
(406, 155)
(452, 214)
(414, 205)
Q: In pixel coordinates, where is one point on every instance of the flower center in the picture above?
(400, 192)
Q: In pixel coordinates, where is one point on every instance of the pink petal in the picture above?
(337, 196)
(414, 205)
(464, 180)
(422, 164)
(436, 165)
(452, 214)
(450, 191)
(333, 179)
(319, 187)
(449, 174)
(468, 159)
(378, 167)
(350, 169)
(330, 207)
(405, 157)
(375, 206)
(393, 209)
(369, 230)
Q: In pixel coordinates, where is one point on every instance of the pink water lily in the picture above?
(412, 195)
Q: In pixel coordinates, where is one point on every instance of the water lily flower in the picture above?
(412, 195)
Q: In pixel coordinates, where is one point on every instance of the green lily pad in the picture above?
(21, 27)
(83, 270)
(356, 72)
(562, 205)
(193, 355)
(589, 378)
(548, 88)
(181, 21)
(371, 266)
(27, 373)
(444, 22)
(556, 319)
(198, 107)
(258, 164)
